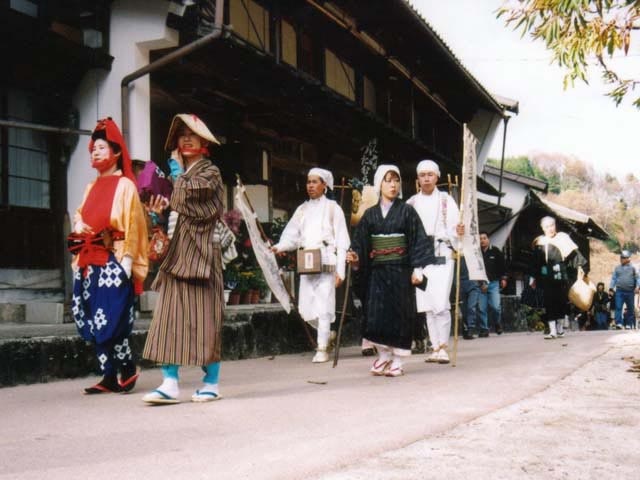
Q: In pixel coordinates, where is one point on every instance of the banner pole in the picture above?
(458, 262)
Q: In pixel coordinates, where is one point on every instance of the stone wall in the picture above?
(248, 332)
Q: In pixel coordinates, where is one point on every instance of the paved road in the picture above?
(284, 418)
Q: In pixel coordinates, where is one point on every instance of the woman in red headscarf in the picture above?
(109, 241)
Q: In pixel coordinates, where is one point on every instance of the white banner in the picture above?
(266, 258)
(469, 208)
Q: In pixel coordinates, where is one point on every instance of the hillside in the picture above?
(603, 261)
(613, 203)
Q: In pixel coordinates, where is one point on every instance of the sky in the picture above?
(579, 122)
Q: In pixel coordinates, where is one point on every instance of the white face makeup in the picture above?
(390, 187)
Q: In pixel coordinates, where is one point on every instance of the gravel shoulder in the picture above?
(584, 426)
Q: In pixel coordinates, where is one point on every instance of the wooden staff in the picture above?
(458, 261)
(347, 279)
(336, 352)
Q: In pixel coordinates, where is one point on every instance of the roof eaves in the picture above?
(431, 31)
(519, 178)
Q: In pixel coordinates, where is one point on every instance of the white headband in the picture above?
(325, 175)
(428, 166)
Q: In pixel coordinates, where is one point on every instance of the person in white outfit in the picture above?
(440, 218)
(318, 223)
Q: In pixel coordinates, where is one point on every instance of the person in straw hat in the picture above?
(440, 218)
(187, 322)
(389, 249)
(109, 241)
(318, 223)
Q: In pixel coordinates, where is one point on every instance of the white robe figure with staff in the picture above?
(440, 219)
(318, 225)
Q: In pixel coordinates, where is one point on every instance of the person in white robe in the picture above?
(318, 223)
(440, 217)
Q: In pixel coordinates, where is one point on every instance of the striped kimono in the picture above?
(187, 322)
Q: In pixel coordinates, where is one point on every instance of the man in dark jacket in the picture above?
(490, 293)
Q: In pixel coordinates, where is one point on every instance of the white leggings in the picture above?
(439, 326)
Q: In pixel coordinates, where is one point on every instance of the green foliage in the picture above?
(287, 260)
(577, 30)
(522, 165)
(534, 318)
(258, 282)
(244, 281)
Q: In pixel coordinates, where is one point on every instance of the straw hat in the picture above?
(194, 123)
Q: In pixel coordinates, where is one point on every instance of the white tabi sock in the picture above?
(396, 362)
(170, 387)
(552, 328)
(210, 387)
(384, 355)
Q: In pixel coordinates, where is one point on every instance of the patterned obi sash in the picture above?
(388, 248)
(93, 249)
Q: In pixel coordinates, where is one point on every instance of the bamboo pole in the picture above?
(458, 262)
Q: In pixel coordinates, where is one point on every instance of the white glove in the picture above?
(81, 227)
(127, 263)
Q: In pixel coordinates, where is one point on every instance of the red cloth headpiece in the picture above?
(107, 129)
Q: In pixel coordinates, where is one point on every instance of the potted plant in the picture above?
(258, 285)
(230, 280)
(244, 286)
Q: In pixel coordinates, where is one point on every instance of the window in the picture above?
(339, 75)
(24, 158)
(289, 44)
(309, 61)
(368, 94)
(251, 22)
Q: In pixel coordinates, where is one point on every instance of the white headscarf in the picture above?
(428, 166)
(325, 175)
(380, 173)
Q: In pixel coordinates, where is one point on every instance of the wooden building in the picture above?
(285, 85)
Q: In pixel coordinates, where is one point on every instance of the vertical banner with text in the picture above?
(469, 210)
